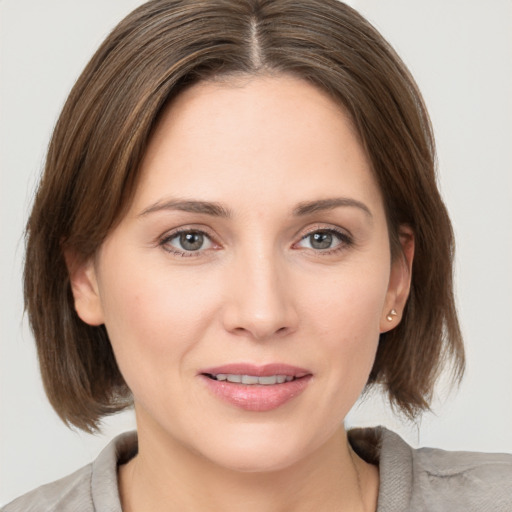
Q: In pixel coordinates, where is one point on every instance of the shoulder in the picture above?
(469, 481)
(427, 479)
(71, 491)
(93, 487)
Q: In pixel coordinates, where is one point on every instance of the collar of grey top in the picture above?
(367, 443)
(410, 480)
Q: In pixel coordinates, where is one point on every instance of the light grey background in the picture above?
(460, 52)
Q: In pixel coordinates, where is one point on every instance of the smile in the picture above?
(267, 380)
(256, 388)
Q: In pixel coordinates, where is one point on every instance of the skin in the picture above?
(258, 290)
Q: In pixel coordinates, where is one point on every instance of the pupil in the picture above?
(321, 240)
(191, 241)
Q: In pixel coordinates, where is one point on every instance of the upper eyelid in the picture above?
(172, 233)
(334, 229)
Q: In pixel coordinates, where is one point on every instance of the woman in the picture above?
(239, 230)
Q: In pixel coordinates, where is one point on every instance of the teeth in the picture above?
(250, 379)
(266, 380)
(269, 379)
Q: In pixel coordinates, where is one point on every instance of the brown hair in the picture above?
(100, 139)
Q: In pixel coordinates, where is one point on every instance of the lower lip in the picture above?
(257, 397)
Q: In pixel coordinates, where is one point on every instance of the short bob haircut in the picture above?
(100, 138)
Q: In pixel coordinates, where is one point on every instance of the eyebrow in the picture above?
(189, 205)
(309, 207)
(218, 210)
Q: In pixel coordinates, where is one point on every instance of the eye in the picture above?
(187, 241)
(324, 240)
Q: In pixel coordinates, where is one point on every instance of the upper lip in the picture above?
(257, 370)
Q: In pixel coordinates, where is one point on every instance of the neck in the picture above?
(165, 476)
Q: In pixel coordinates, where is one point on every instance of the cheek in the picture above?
(346, 314)
(154, 317)
(349, 303)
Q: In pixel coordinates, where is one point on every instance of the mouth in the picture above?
(256, 388)
(251, 380)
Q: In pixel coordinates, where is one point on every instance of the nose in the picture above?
(260, 302)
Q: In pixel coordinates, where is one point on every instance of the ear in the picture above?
(399, 281)
(84, 285)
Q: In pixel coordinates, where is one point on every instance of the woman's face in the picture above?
(255, 249)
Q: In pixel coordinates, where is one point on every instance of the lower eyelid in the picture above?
(184, 254)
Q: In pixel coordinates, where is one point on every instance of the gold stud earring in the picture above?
(391, 314)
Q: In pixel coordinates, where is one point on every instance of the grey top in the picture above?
(423, 480)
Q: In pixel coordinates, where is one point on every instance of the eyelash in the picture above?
(186, 254)
(345, 241)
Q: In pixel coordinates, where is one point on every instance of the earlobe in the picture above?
(399, 281)
(84, 286)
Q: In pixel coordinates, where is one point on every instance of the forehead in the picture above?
(275, 136)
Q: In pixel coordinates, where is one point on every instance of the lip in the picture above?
(255, 397)
(258, 370)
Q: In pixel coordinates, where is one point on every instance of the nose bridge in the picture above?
(260, 303)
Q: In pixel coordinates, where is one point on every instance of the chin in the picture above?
(252, 461)
(257, 450)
